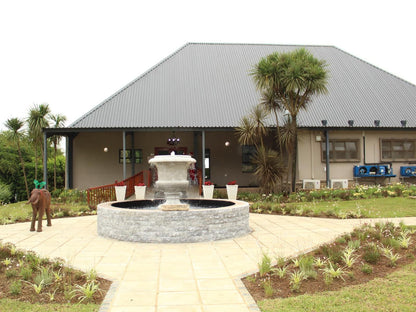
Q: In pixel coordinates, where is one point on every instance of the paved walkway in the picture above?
(177, 277)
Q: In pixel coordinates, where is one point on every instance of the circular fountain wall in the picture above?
(142, 221)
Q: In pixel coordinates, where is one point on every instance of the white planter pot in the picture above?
(140, 191)
(232, 191)
(208, 191)
(120, 192)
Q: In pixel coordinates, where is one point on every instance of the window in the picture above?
(398, 150)
(341, 151)
(248, 153)
(135, 156)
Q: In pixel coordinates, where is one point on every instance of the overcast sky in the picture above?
(74, 54)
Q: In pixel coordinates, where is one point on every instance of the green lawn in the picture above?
(21, 211)
(18, 306)
(395, 292)
(388, 207)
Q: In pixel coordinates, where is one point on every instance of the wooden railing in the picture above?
(104, 193)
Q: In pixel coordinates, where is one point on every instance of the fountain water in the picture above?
(175, 220)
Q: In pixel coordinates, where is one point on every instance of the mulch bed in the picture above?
(353, 276)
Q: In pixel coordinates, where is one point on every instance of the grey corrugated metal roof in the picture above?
(208, 85)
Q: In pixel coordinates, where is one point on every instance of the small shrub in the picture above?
(391, 242)
(371, 253)
(16, 288)
(281, 261)
(10, 273)
(5, 194)
(33, 260)
(354, 244)
(268, 289)
(44, 275)
(26, 273)
(341, 240)
(335, 255)
(306, 266)
(366, 268)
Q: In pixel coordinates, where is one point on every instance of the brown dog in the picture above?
(41, 203)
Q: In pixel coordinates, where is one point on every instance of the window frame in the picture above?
(248, 166)
(397, 159)
(340, 160)
(130, 154)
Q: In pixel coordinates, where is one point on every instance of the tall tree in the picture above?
(37, 121)
(58, 122)
(15, 126)
(292, 78)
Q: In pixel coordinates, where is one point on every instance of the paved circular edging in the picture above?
(156, 226)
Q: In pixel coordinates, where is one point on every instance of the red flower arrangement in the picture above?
(208, 183)
(120, 183)
(234, 182)
(140, 184)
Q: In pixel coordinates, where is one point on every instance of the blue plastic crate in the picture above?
(408, 171)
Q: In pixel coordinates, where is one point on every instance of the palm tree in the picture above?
(269, 169)
(37, 121)
(292, 78)
(58, 122)
(15, 125)
(268, 163)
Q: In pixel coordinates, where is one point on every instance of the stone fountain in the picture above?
(176, 219)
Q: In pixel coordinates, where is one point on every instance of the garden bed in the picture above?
(25, 276)
(356, 258)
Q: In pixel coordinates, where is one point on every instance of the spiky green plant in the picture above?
(280, 271)
(330, 273)
(86, 292)
(265, 265)
(296, 279)
(348, 257)
(404, 240)
(319, 263)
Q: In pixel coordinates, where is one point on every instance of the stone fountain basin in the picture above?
(141, 221)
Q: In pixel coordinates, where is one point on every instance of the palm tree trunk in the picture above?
(36, 162)
(54, 166)
(23, 168)
(294, 155)
(41, 154)
(278, 133)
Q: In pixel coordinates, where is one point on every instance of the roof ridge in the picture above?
(261, 44)
(128, 85)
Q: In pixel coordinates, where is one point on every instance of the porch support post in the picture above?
(328, 179)
(203, 156)
(124, 155)
(45, 159)
(68, 162)
(133, 155)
